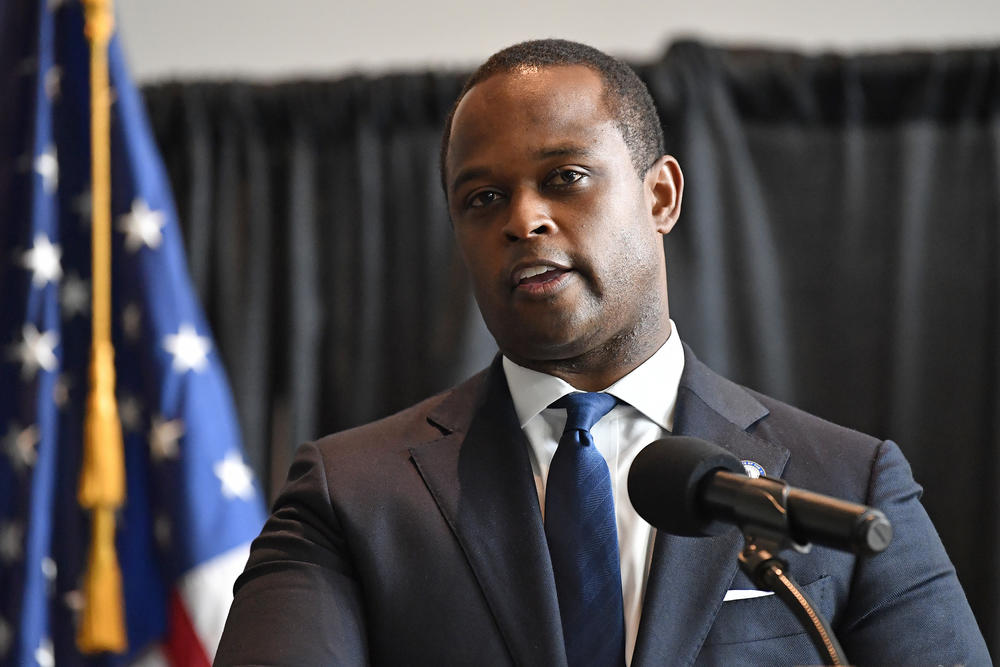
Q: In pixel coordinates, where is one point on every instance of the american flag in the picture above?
(192, 503)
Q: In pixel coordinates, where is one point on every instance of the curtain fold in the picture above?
(838, 249)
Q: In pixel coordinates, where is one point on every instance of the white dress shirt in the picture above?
(646, 413)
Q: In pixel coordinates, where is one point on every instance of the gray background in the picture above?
(270, 39)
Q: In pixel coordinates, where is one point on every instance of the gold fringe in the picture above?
(102, 624)
(102, 478)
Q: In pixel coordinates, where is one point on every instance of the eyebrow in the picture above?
(567, 149)
(467, 175)
(472, 173)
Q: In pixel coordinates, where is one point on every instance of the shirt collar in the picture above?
(651, 388)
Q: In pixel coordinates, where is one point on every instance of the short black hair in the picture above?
(626, 95)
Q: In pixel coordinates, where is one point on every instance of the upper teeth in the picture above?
(531, 271)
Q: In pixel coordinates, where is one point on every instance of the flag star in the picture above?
(20, 446)
(236, 477)
(189, 349)
(6, 638)
(162, 530)
(43, 260)
(44, 654)
(11, 537)
(130, 413)
(83, 205)
(163, 437)
(36, 350)
(74, 601)
(47, 166)
(132, 321)
(53, 82)
(60, 391)
(49, 569)
(74, 295)
(142, 226)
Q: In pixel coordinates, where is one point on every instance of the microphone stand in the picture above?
(763, 518)
(768, 572)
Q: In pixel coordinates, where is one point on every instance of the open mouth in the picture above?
(536, 275)
(538, 278)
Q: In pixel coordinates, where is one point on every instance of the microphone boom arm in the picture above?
(763, 518)
(770, 573)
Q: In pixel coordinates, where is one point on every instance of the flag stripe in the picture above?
(183, 646)
(213, 579)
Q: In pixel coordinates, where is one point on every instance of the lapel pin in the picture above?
(753, 469)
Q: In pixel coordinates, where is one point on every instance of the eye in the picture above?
(482, 198)
(565, 176)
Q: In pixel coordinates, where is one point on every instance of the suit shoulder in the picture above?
(431, 418)
(825, 457)
(760, 414)
(793, 421)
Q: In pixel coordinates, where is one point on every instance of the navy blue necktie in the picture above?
(583, 539)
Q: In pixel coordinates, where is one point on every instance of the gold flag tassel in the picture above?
(102, 478)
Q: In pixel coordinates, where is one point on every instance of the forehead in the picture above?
(528, 109)
(567, 83)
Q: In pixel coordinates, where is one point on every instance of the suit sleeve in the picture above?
(298, 601)
(906, 605)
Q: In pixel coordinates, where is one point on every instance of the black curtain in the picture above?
(838, 249)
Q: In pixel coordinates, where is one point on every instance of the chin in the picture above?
(550, 334)
(527, 347)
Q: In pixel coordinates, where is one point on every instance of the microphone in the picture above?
(687, 486)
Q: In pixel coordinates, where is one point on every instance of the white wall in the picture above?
(279, 39)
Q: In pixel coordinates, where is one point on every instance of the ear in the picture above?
(665, 187)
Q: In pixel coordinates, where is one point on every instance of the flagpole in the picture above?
(102, 478)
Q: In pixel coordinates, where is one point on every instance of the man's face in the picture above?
(559, 232)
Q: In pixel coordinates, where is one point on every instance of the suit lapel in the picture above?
(688, 576)
(482, 482)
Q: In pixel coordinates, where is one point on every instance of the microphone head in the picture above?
(664, 479)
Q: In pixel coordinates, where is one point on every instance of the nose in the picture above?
(529, 215)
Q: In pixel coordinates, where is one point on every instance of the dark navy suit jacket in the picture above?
(418, 540)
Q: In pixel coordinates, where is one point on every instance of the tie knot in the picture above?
(583, 410)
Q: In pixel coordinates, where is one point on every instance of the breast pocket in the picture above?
(763, 630)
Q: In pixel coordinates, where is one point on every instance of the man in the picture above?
(428, 537)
